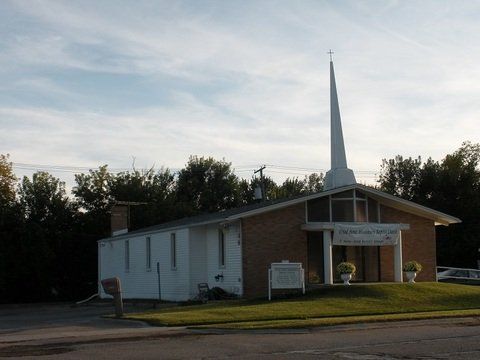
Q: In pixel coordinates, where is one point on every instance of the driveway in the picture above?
(48, 323)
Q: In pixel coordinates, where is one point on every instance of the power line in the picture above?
(272, 168)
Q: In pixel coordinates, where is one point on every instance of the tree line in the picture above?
(48, 237)
(452, 186)
(48, 248)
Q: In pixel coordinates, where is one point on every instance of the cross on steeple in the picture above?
(330, 52)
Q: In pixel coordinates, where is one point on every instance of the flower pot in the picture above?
(411, 275)
(346, 278)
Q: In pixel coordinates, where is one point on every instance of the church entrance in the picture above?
(365, 258)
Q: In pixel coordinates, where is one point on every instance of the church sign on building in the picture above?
(366, 234)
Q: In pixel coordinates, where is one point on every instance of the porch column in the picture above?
(397, 262)
(327, 257)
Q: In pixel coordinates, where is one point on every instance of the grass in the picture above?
(328, 306)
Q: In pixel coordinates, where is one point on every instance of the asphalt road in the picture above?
(83, 335)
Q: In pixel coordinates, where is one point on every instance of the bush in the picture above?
(412, 266)
(346, 268)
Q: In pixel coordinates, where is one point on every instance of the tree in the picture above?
(247, 189)
(10, 220)
(451, 186)
(93, 191)
(314, 183)
(9, 215)
(44, 200)
(93, 196)
(155, 189)
(32, 253)
(207, 185)
(8, 181)
(401, 177)
(294, 186)
(291, 187)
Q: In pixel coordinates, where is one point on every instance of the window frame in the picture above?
(127, 255)
(148, 253)
(359, 198)
(173, 251)
(222, 251)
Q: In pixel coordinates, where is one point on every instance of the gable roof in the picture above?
(259, 208)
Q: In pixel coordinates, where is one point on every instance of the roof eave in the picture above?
(439, 217)
(153, 231)
(394, 201)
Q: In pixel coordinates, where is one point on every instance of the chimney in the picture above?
(119, 219)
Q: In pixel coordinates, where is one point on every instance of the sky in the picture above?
(149, 83)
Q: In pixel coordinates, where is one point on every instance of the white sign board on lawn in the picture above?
(366, 234)
(285, 275)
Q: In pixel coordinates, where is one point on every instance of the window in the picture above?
(360, 195)
(343, 195)
(148, 252)
(221, 248)
(373, 210)
(342, 210)
(346, 206)
(319, 209)
(127, 255)
(361, 215)
(360, 207)
(173, 251)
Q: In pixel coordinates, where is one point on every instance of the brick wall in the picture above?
(276, 235)
(119, 218)
(418, 244)
(271, 237)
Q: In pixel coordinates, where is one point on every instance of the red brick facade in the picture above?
(276, 235)
(418, 244)
(271, 237)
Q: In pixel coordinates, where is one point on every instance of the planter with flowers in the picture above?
(346, 270)
(411, 268)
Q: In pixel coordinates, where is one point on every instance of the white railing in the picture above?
(447, 272)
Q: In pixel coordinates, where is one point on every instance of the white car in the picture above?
(459, 276)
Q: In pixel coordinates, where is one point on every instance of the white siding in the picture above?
(197, 261)
(232, 271)
(198, 258)
(138, 283)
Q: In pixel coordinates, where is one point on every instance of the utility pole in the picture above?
(262, 182)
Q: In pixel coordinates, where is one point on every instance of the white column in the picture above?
(397, 263)
(327, 257)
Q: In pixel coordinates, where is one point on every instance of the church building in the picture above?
(234, 249)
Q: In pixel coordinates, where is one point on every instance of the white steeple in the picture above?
(339, 174)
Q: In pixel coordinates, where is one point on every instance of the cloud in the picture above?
(87, 83)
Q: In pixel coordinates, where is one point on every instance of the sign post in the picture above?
(112, 286)
(285, 275)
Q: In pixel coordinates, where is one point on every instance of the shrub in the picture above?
(346, 268)
(412, 266)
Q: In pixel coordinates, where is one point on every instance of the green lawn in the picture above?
(327, 306)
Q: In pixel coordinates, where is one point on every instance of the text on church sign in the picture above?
(366, 234)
